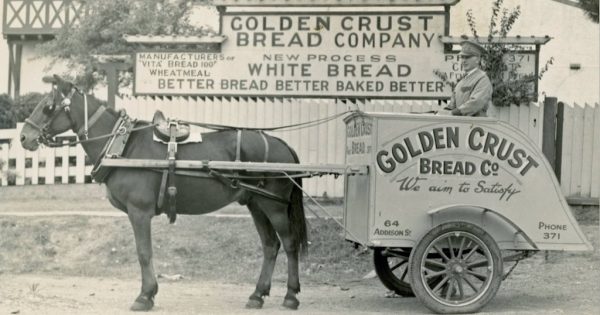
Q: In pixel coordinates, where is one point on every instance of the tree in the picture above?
(6, 112)
(509, 87)
(590, 7)
(101, 32)
(12, 111)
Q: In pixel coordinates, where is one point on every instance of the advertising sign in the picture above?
(313, 54)
(424, 163)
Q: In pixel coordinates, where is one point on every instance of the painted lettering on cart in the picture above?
(359, 128)
(492, 144)
(555, 228)
(407, 148)
(504, 192)
(410, 183)
(389, 232)
(478, 141)
(357, 133)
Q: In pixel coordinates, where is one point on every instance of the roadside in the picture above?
(90, 200)
(75, 264)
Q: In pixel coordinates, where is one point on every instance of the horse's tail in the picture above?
(296, 215)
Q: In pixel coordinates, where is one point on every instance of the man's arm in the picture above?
(480, 96)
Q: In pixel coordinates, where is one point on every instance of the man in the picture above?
(472, 95)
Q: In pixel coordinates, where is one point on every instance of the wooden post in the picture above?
(11, 61)
(560, 120)
(549, 132)
(17, 69)
(112, 77)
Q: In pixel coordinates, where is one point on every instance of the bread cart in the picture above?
(444, 198)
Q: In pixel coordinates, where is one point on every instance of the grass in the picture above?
(220, 249)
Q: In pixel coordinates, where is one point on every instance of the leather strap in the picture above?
(172, 188)
(163, 188)
(83, 131)
(262, 134)
(238, 145)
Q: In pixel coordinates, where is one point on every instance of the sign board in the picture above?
(311, 54)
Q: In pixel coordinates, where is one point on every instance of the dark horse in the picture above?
(135, 190)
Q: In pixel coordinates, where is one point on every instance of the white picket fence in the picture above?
(320, 144)
(47, 165)
(580, 167)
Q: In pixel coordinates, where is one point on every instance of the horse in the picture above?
(135, 190)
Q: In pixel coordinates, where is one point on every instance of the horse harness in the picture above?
(65, 105)
(173, 130)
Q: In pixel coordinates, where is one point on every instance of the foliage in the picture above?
(509, 87)
(6, 113)
(591, 9)
(13, 111)
(101, 32)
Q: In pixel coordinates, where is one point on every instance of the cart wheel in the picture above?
(467, 259)
(391, 266)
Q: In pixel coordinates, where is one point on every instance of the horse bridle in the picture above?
(65, 103)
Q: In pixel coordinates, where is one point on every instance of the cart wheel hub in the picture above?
(458, 269)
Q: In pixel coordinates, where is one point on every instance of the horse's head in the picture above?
(51, 116)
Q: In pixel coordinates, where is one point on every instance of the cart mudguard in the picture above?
(428, 169)
(506, 233)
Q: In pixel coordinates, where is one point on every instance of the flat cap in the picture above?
(471, 48)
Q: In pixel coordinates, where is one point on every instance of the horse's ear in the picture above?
(49, 79)
(63, 85)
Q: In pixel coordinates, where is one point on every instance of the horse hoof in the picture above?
(291, 303)
(255, 302)
(142, 304)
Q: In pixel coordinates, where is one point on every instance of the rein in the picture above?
(88, 122)
(108, 135)
(297, 126)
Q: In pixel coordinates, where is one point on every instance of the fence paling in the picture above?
(588, 140)
(580, 171)
(595, 184)
(567, 150)
(577, 150)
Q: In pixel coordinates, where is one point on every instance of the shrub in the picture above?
(509, 87)
(13, 111)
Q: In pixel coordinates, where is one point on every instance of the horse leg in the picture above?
(280, 221)
(141, 223)
(270, 244)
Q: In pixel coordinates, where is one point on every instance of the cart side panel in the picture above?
(356, 219)
(423, 163)
(359, 151)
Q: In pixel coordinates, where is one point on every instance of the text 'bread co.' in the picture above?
(479, 142)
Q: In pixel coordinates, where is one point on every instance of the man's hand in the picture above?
(456, 112)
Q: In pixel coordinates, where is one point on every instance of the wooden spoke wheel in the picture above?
(391, 266)
(468, 261)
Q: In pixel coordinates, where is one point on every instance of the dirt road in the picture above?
(44, 294)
